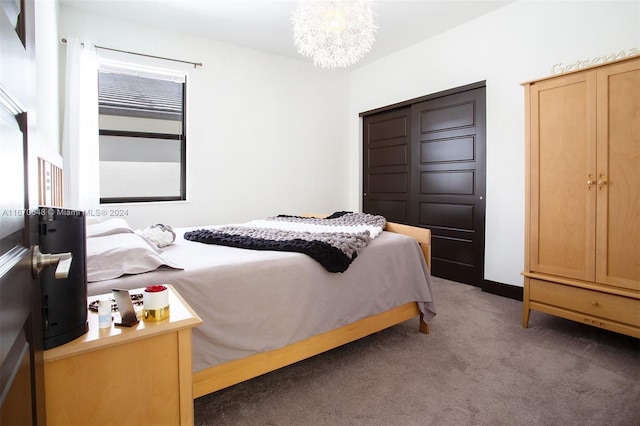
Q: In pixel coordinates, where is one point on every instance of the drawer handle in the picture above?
(594, 322)
(594, 303)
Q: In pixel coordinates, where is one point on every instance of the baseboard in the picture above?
(506, 290)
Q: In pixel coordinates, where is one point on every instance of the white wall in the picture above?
(514, 44)
(45, 141)
(48, 118)
(265, 134)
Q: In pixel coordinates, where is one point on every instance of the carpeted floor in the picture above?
(477, 367)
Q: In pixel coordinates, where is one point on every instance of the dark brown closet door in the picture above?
(448, 172)
(386, 164)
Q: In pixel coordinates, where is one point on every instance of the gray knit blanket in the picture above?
(334, 241)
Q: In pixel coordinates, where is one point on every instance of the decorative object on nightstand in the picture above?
(156, 303)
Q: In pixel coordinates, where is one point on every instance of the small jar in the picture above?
(155, 303)
(104, 314)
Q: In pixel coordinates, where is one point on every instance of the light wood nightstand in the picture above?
(124, 375)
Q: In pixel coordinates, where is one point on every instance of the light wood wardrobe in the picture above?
(582, 227)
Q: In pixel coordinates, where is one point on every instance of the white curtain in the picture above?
(80, 132)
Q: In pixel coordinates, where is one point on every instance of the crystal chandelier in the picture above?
(334, 33)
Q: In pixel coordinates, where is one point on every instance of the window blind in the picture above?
(130, 95)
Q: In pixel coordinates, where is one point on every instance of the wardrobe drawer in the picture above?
(604, 305)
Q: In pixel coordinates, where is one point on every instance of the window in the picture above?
(142, 135)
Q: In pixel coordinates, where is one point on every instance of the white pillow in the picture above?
(108, 227)
(112, 256)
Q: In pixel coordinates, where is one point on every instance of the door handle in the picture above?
(39, 261)
(602, 180)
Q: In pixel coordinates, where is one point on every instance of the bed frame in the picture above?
(230, 373)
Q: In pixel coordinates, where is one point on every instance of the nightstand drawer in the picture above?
(616, 308)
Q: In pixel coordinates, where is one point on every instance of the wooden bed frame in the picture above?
(230, 373)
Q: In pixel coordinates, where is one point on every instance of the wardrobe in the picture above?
(582, 224)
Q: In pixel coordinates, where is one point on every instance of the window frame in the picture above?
(152, 135)
(183, 167)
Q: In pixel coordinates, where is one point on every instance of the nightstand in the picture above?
(124, 375)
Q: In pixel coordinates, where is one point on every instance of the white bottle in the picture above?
(104, 314)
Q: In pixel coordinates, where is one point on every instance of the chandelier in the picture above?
(334, 33)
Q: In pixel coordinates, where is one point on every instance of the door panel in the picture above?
(451, 182)
(618, 196)
(562, 164)
(459, 250)
(438, 116)
(388, 183)
(452, 149)
(386, 164)
(19, 393)
(458, 216)
(388, 156)
(21, 375)
(448, 162)
(21, 344)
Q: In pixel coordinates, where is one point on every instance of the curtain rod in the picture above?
(195, 64)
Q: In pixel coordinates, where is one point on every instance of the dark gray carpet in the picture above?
(477, 367)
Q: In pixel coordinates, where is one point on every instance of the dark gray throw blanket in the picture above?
(334, 241)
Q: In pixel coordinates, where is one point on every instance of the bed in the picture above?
(263, 310)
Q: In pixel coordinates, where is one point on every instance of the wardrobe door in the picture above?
(563, 176)
(618, 229)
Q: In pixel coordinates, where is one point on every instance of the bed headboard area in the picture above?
(49, 184)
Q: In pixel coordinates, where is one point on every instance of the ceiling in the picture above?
(265, 24)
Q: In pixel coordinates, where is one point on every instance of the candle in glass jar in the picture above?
(155, 303)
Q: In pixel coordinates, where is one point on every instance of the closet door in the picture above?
(386, 165)
(448, 166)
(424, 164)
(563, 176)
(618, 214)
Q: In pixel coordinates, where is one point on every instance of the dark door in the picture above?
(21, 376)
(448, 165)
(386, 164)
(424, 165)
